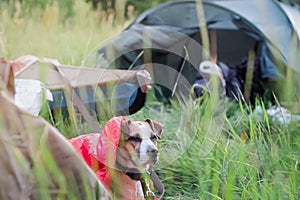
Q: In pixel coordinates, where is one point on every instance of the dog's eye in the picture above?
(134, 139)
(153, 137)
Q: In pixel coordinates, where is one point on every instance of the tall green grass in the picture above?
(209, 149)
(44, 34)
(251, 157)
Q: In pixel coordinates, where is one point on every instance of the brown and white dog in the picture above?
(122, 155)
(137, 153)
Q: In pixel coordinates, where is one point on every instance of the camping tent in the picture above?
(235, 27)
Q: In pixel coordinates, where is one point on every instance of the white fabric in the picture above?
(29, 95)
(277, 114)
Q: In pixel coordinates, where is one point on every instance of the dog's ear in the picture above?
(125, 126)
(155, 126)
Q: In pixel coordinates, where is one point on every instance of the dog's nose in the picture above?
(152, 150)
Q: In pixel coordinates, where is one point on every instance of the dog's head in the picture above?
(138, 144)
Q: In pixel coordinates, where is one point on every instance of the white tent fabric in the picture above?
(294, 16)
(276, 24)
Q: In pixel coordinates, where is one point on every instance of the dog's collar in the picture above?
(133, 173)
(144, 178)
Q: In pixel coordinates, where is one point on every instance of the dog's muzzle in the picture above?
(152, 154)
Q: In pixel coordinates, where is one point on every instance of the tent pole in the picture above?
(186, 57)
(213, 45)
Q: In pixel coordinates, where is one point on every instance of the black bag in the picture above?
(235, 81)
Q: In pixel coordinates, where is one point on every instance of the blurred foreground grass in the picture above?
(204, 154)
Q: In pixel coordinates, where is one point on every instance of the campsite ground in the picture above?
(233, 154)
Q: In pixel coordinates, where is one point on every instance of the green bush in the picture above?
(30, 7)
